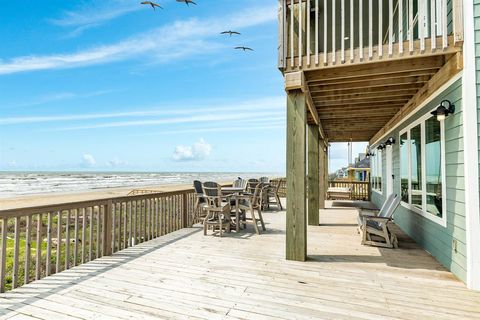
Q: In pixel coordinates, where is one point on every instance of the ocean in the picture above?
(14, 184)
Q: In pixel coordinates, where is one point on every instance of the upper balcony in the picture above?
(316, 34)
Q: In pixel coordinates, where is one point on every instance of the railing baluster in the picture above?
(360, 28)
(28, 246)
(380, 28)
(124, 240)
(445, 20)
(334, 14)
(390, 28)
(119, 235)
(90, 234)
(433, 33)
(16, 252)
(370, 29)
(400, 26)
(135, 233)
(48, 255)
(292, 34)
(421, 24)
(97, 242)
(410, 26)
(325, 32)
(308, 32)
(316, 31)
(342, 31)
(129, 242)
(352, 37)
(3, 254)
(84, 232)
(114, 226)
(300, 31)
(67, 241)
(38, 253)
(75, 235)
(59, 241)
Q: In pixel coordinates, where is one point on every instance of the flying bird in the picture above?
(230, 32)
(187, 2)
(244, 48)
(153, 4)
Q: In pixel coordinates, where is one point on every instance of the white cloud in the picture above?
(12, 164)
(178, 40)
(95, 14)
(115, 162)
(88, 160)
(199, 151)
(272, 104)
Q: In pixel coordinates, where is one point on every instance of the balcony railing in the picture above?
(36, 242)
(320, 33)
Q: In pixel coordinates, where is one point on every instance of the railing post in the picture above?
(107, 229)
(185, 211)
(457, 9)
(3, 254)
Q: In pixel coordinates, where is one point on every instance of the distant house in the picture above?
(360, 170)
(341, 174)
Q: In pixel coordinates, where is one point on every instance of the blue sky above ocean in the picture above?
(114, 85)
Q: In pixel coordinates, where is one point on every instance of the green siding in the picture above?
(434, 238)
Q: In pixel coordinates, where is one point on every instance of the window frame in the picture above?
(378, 172)
(423, 212)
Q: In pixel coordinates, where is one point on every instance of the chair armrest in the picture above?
(367, 213)
(377, 219)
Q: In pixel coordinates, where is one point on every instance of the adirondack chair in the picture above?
(374, 227)
(240, 183)
(272, 192)
(218, 208)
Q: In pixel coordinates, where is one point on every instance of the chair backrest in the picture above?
(264, 179)
(388, 202)
(213, 192)
(390, 210)
(240, 183)
(257, 193)
(197, 185)
(252, 184)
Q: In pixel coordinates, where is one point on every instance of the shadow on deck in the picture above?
(187, 275)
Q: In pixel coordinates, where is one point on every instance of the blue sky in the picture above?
(114, 85)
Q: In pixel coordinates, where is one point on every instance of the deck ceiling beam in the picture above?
(364, 101)
(449, 70)
(365, 91)
(372, 83)
(376, 69)
(367, 95)
(353, 80)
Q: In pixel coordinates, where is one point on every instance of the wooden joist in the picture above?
(449, 70)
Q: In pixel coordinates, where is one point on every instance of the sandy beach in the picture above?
(59, 198)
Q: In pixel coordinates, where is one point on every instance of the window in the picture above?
(404, 169)
(422, 168)
(377, 171)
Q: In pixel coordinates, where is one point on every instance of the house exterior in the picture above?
(388, 72)
(360, 169)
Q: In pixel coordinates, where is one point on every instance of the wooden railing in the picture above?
(318, 33)
(36, 242)
(360, 190)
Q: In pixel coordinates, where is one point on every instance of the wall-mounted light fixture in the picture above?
(443, 110)
(390, 141)
(381, 146)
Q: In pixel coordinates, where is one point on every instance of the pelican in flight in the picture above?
(153, 4)
(244, 48)
(187, 2)
(230, 33)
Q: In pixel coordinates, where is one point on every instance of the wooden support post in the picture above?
(185, 211)
(296, 234)
(323, 177)
(326, 168)
(313, 175)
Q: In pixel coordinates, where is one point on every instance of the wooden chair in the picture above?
(252, 202)
(200, 201)
(272, 192)
(240, 183)
(252, 184)
(264, 180)
(218, 210)
(374, 227)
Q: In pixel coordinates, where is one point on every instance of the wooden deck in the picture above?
(244, 276)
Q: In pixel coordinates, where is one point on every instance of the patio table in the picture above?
(236, 192)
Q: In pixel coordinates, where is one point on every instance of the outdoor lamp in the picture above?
(381, 146)
(390, 141)
(442, 112)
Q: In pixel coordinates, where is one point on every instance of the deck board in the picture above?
(186, 275)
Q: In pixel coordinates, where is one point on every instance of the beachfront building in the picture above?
(360, 169)
(403, 76)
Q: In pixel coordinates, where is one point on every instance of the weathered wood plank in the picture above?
(313, 174)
